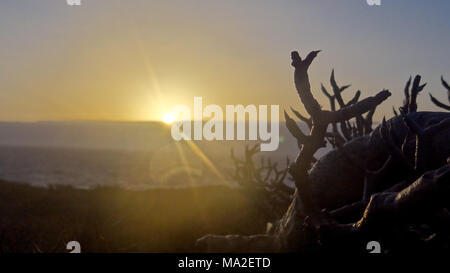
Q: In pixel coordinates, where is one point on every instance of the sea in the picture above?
(134, 155)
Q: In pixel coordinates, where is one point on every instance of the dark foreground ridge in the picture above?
(112, 219)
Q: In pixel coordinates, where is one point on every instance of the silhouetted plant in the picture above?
(267, 178)
(404, 172)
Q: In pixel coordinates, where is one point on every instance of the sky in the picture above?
(135, 60)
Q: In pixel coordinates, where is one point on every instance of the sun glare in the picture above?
(168, 118)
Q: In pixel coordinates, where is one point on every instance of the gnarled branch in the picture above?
(320, 121)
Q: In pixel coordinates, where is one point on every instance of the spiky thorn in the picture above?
(394, 111)
(363, 124)
(346, 129)
(368, 121)
(296, 132)
(330, 97)
(306, 120)
(410, 102)
(338, 97)
(445, 84)
(437, 102)
(336, 135)
(354, 99)
(338, 90)
(407, 96)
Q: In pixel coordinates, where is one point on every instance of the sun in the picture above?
(169, 118)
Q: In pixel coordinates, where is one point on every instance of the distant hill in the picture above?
(142, 136)
(85, 134)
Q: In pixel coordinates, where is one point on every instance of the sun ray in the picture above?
(197, 198)
(206, 160)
